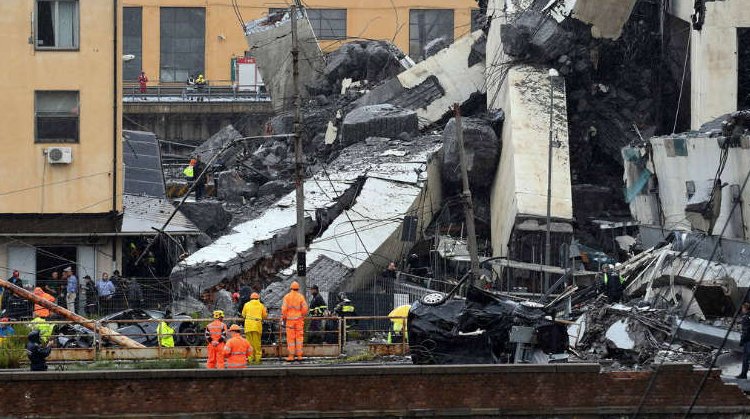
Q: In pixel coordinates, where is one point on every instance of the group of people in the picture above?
(236, 351)
(226, 346)
(85, 296)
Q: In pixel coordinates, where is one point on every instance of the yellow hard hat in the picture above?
(295, 285)
(218, 314)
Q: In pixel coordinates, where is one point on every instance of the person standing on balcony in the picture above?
(143, 83)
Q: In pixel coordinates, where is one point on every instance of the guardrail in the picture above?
(192, 93)
(327, 337)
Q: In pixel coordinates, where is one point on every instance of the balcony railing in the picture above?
(181, 93)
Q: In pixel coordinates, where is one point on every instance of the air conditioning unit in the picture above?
(59, 155)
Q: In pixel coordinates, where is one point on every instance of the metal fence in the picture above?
(184, 93)
(324, 337)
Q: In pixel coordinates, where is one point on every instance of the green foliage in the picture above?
(13, 349)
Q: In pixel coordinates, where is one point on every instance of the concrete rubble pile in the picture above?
(342, 123)
(625, 336)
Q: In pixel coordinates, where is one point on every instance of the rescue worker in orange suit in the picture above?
(254, 312)
(40, 310)
(237, 350)
(293, 312)
(216, 335)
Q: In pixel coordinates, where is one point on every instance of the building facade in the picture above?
(717, 71)
(172, 39)
(61, 188)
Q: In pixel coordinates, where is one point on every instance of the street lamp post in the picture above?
(547, 243)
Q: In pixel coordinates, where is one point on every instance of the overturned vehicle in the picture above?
(483, 328)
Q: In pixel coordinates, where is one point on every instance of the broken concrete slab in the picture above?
(606, 17)
(216, 144)
(232, 187)
(361, 60)
(432, 86)
(270, 40)
(482, 154)
(210, 217)
(378, 121)
(619, 336)
(519, 191)
(326, 196)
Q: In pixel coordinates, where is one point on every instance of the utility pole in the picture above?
(547, 241)
(299, 172)
(471, 233)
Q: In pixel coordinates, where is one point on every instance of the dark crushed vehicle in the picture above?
(479, 329)
(144, 332)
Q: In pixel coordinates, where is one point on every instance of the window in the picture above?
(743, 68)
(183, 42)
(56, 24)
(328, 23)
(428, 25)
(132, 42)
(57, 114)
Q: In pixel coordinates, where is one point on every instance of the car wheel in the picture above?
(433, 299)
(189, 335)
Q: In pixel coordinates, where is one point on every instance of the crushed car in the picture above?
(483, 328)
(137, 324)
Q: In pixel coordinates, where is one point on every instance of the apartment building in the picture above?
(60, 112)
(172, 39)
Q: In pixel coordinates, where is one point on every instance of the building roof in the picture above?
(144, 214)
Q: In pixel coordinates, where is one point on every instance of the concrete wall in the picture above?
(520, 186)
(713, 59)
(568, 390)
(224, 37)
(700, 167)
(30, 184)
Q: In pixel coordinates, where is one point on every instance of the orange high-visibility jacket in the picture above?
(39, 310)
(236, 351)
(216, 331)
(294, 306)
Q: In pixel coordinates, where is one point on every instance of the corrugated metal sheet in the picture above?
(142, 214)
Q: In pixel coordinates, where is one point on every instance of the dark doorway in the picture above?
(54, 259)
(743, 68)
